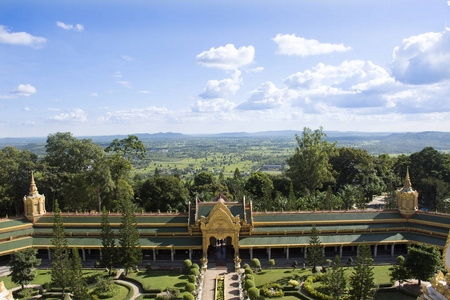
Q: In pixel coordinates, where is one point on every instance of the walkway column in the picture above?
(287, 253)
(83, 253)
(89, 251)
(251, 253)
(269, 250)
(304, 252)
(392, 249)
(190, 254)
(172, 253)
(357, 250)
(154, 255)
(340, 251)
(323, 250)
(101, 254)
(375, 251)
(49, 254)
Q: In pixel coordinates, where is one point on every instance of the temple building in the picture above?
(221, 230)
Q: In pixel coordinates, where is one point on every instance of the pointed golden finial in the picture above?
(33, 188)
(407, 180)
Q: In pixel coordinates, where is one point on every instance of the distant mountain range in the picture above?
(373, 142)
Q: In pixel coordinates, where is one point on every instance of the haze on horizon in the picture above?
(121, 67)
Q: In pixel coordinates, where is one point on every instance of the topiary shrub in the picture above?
(248, 271)
(253, 293)
(249, 284)
(195, 266)
(188, 296)
(271, 290)
(249, 277)
(245, 266)
(192, 279)
(256, 264)
(194, 272)
(148, 267)
(189, 287)
(187, 263)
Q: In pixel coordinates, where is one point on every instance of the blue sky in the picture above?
(122, 67)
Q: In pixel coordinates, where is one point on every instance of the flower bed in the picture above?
(220, 288)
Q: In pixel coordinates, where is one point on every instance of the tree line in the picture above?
(81, 175)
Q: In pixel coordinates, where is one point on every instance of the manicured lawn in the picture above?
(122, 294)
(160, 279)
(381, 274)
(43, 276)
(280, 276)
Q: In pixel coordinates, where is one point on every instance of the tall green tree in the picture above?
(130, 250)
(423, 261)
(336, 280)
(78, 282)
(128, 147)
(315, 255)
(15, 167)
(362, 279)
(22, 265)
(60, 254)
(164, 193)
(259, 186)
(309, 167)
(400, 273)
(109, 251)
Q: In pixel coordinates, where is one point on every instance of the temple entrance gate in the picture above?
(222, 228)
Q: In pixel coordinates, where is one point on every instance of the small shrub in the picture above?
(188, 296)
(194, 272)
(248, 271)
(46, 286)
(192, 279)
(187, 263)
(253, 293)
(249, 277)
(189, 287)
(246, 266)
(249, 284)
(195, 266)
(256, 263)
(272, 290)
(294, 264)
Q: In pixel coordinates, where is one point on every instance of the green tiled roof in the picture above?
(16, 233)
(329, 227)
(16, 244)
(164, 230)
(145, 242)
(116, 219)
(278, 217)
(205, 208)
(13, 222)
(325, 239)
(431, 217)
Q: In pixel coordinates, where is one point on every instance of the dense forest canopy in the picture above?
(315, 174)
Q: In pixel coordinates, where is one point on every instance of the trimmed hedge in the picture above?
(313, 292)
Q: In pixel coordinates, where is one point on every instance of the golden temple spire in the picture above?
(407, 180)
(33, 188)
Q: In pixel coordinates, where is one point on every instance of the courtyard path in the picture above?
(136, 289)
(209, 284)
(232, 288)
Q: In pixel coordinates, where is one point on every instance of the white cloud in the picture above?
(226, 57)
(29, 123)
(26, 108)
(145, 92)
(76, 27)
(290, 44)
(267, 96)
(127, 58)
(117, 74)
(222, 88)
(20, 38)
(77, 115)
(423, 58)
(256, 70)
(94, 94)
(219, 105)
(25, 90)
(125, 84)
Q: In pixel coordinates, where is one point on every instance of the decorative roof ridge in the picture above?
(429, 212)
(322, 211)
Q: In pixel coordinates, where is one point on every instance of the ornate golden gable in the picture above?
(220, 224)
